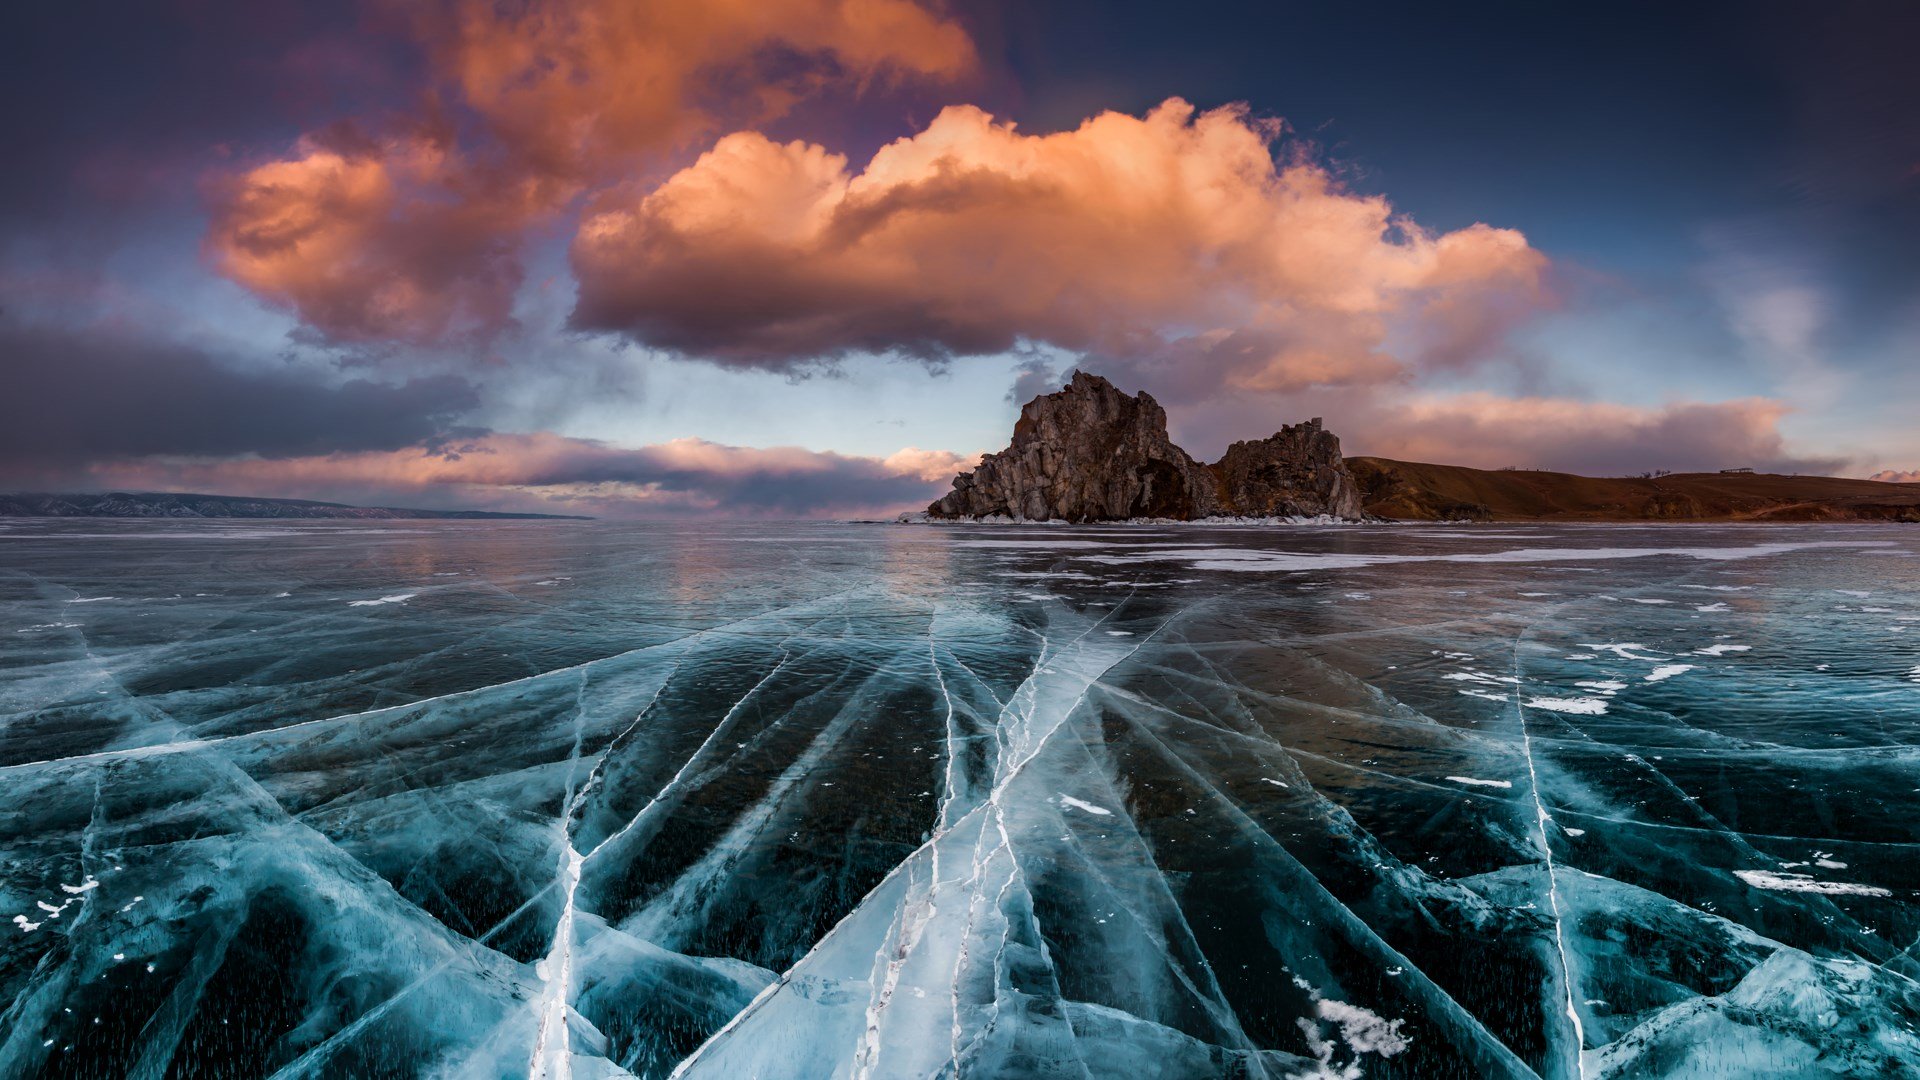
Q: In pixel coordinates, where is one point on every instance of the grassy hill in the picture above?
(1415, 491)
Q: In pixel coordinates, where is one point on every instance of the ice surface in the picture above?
(577, 800)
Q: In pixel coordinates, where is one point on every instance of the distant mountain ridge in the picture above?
(169, 504)
(1411, 490)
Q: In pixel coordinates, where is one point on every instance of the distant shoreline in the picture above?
(189, 506)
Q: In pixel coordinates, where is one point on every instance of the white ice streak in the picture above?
(552, 1052)
(1252, 559)
(1101, 811)
(1485, 694)
(945, 916)
(1587, 706)
(396, 598)
(1803, 883)
(1475, 781)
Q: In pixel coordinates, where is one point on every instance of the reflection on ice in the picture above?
(576, 800)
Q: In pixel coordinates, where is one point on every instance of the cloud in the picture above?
(934, 466)
(547, 471)
(577, 88)
(413, 235)
(387, 241)
(74, 396)
(1174, 237)
(1897, 476)
(1598, 438)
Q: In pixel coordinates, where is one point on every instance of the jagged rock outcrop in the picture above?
(1092, 452)
(1088, 453)
(1295, 472)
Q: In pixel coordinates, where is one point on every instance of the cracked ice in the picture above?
(593, 800)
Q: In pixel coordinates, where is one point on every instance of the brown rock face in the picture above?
(1093, 453)
(1295, 472)
(1087, 453)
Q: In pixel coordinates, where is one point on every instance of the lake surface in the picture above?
(588, 799)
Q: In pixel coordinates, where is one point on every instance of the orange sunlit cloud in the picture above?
(1175, 233)
(388, 241)
(577, 87)
(412, 237)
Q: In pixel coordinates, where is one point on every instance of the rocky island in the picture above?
(1092, 452)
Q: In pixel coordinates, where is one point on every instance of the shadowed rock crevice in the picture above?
(1092, 452)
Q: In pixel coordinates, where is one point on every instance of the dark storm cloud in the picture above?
(75, 397)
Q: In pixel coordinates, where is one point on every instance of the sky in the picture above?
(806, 258)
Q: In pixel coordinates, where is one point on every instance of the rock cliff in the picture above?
(1088, 453)
(1295, 472)
(1094, 453)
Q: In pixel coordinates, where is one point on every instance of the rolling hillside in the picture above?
(1414, 491)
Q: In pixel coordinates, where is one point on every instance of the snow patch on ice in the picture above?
(1580, 706)
(396, 598)
(1768, 879)
(1476, 782)
(1668, 671)
(1628, 650)
(1365, 1030)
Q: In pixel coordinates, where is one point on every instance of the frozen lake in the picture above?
(590, 799)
